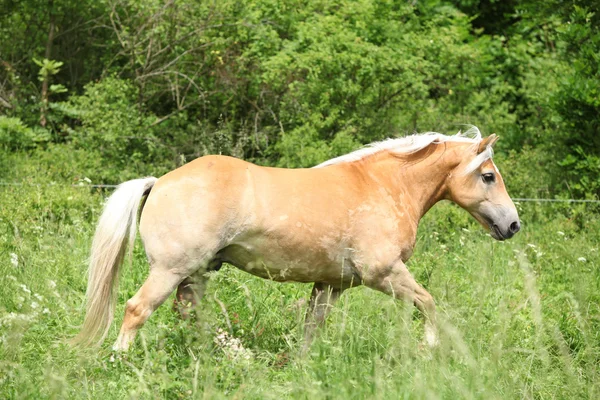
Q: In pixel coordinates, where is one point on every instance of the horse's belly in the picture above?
(270, 260)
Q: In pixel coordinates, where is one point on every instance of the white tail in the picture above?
(115, 231)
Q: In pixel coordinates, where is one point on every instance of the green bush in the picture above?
(109, 124)
(15, 135)
(292, 84)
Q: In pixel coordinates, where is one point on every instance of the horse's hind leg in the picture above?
(158, 286)
(189, 294)
(322, 298)
(191, 290)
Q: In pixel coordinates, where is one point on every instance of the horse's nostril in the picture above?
(515, 227)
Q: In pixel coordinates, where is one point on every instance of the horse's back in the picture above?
(217, 193)
(249, 214)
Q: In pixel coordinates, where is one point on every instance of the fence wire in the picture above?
(107, 186)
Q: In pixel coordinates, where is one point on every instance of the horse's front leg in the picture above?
(322, 298)
(398, 282)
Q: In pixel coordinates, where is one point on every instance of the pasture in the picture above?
(519, 319)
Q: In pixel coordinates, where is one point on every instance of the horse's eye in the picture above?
(488, 178)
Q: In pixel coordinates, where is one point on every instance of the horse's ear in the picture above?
(487, 142)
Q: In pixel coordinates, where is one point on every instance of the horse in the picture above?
(347, 222)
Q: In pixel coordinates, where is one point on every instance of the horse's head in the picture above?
(477, 186)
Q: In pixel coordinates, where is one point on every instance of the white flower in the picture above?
(231, 346)
(51, 284)
(34, 305)
(46, 311)
(581, 259)
(531, 245)
(561, 233)
(8, 319)
(39, 297)
(14, 259)
(25, 289)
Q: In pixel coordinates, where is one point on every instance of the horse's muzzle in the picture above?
(500, 234)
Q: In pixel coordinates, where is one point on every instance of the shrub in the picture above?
(15, 135)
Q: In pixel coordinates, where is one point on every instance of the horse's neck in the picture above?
(417, 180)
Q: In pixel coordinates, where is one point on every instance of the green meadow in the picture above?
(519, 319)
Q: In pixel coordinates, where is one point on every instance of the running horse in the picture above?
(349, 221)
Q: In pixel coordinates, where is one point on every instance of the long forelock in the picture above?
(479, 159)
(413, 143)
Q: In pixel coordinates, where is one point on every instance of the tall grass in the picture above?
(519, 319)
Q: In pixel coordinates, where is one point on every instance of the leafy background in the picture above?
(143, 86)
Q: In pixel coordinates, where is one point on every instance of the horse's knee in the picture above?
(424, 302)
(396, 281)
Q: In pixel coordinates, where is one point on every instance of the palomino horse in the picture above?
(349, 221)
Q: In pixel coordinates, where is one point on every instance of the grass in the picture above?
(519, 319)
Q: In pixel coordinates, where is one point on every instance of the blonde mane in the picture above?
(414, 143)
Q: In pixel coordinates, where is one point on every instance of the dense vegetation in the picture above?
(139, 87)
(106, 90)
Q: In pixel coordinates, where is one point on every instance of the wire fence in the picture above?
(107, 186)
(77, 185)
(555, 200)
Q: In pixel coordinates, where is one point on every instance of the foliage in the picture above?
(563, 36)
(578, 99)
(292, 84)
(47, 68)
(111, 123)
(15, 135)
